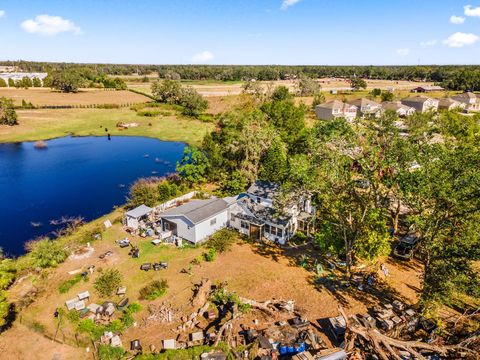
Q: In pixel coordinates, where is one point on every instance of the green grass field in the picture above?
(47, 124)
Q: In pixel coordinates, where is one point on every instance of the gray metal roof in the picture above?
(264, 189)
(140, 211)
(198, 210)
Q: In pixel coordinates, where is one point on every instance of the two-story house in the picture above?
(256, 214)
(398, 107)
(336, 109)
(471, 100)
(367, 107)
(421, 104)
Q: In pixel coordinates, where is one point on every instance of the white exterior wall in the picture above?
(204, 229)
(132, 222)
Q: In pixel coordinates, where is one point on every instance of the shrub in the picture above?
(222, 240)
(149, 113)
(210, 255)
(68, 284)
(154, 290)
(46, 253)
(107, 352)
(8, 116)
(107, 283)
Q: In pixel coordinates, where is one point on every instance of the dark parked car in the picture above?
(406, 247)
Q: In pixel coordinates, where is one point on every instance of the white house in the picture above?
(196, 220)
(471, 100)
(135, 216)
(399, 108)
(451, 104)
(254, 214)
(421, 104)
(367, 107)
(335, 109)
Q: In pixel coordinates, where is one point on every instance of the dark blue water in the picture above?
(73, 176)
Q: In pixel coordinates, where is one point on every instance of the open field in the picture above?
(255, 271)
(47, 123)
(46, 96)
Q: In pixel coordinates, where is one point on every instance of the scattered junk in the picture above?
(106, 254)
(94, 308)
(214, 355)
(169, 344)
(122, 305)
(123, 243)
(40, 144)
(115, 341)
(108, 338)
(107, 224)
(338, 327)
(163, 313)
(108, 308)
(84, 295)
(122, 290)
(135, 345)
(335, 354)
(134, 251)
(146, 266)
(156, 241)
(123, 125)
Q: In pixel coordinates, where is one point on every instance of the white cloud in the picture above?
(457, 19)
(202, 57)
(460, 39)
(428, 43)
(2, 13)
(49, 25)
(469, 11)
(403, 52)
(287, 3)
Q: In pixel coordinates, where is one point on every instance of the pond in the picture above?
(71, 177)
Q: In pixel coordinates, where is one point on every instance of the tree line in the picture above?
(452, 77)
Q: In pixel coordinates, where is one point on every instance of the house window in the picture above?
(258, 200)
(279, 232)
(167, 226)
(213, 221)
(266, 229)
(273, 230)
(244, 224)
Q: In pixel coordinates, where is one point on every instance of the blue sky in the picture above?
(242, 31)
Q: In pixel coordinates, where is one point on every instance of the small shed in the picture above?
(122, 290)
(83, 295)
(135, 345)
(169, 344)
(115, 341)
(109, 309)
(197, 336)
(133, 216)
(71, 304)
(94, 308)
(80, 305)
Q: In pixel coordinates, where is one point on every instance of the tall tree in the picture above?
(8, 115)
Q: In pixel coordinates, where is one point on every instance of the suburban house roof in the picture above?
(264, 213)
(335, 104)
(140, 211)
(417, 99)
(395, 105)
(264, 189)
(198, 210)
(466, 96)
(447, 102)
(363, 102)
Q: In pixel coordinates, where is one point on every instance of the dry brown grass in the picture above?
(45, 96)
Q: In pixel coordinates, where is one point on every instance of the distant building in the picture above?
(17, 76)
(336, 109)
(450, 104)
(399, 108)
(421, 104)
(470, 99)
(427, 88)
(367, 107)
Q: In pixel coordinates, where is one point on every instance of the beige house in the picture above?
(421, 104)
(450, 104)
(335, 109)
(471, 100)
(367, 107)
(398, 107)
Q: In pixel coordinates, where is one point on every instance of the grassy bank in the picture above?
(47, 124)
